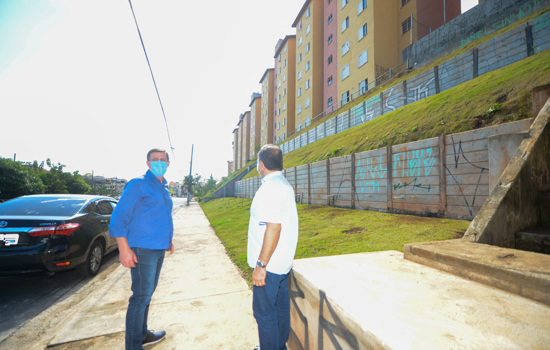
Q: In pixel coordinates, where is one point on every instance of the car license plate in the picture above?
(9, 239)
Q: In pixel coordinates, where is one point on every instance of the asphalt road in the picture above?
(24, 297)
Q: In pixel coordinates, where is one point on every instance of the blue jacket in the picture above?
(144, 214)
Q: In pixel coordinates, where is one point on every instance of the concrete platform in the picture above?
(382, 301)
(516, 271)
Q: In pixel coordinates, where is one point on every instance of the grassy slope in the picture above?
(326, 231)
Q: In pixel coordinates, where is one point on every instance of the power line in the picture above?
(152, 76)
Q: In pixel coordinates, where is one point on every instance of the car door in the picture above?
(103, 213)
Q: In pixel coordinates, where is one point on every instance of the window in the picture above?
(279, 84)
(406, 25)
(330, 18)
(284, 77)
(284, 50)
(299, 92)
(362, 32)
(308, 66)
(363, 86)
(278, 140)
(279, 72)
(345, 97)
(278, 125)
(345, 72)
(300, 25)
(278, 98)
(308, 47)
(307, 122)
(284, 91)
(299, 127)
(345, 24)
(284, 136)
(279, 57)
(329, 101)
(284, 121)
(299, 58)
(403, 2)
(345, 48)
(284, 108)
(279, 111)
(299, 75)
(329, 81)
(308, 29)
(362, 58)
(308, 12)
(307, 102)
(299, 109)
(308, 83)
(330, 38)
(344, 3)
(330, 59)
(284, 64)
(300, 41)
(362, 5)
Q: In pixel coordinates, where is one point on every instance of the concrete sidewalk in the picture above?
(201, 301)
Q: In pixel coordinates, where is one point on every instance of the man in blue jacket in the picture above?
(142, 224)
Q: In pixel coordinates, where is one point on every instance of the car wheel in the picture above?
(90, 267)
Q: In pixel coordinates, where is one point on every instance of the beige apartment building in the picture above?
(375, 36)
(255, 124)
(309, 62)
(245, 139)
(285, 88)
(266, 124)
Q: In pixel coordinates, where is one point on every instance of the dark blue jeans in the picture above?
(145, 277)
(271, 308)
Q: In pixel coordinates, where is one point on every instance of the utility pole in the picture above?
(190, 171)
(14, 156)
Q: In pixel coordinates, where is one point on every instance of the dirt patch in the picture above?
(458, 234)
(354, 230)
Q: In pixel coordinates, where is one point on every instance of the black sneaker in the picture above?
(153, 337)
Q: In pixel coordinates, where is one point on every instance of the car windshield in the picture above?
(42, 206)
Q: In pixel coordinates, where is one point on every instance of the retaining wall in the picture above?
(446, 176)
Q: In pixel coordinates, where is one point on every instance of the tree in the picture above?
(195, 182)
(58, 181)
(17, 180)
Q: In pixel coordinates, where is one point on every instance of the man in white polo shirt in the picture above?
(272, 239)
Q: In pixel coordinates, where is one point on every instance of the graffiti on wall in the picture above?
(458, 153)
(419, 92)
(411, 163)
(412, 184)
(367, 172)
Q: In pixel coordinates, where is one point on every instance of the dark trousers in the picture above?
(145, 277)
(271, 308)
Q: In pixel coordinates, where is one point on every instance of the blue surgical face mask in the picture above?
(158, 168)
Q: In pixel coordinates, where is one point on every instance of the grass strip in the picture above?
(326, 231)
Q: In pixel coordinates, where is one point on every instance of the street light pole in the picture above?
(190, 171)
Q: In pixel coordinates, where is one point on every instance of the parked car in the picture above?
(52, 233)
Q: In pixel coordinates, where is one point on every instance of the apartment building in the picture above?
(285, 88)
(230, 167)
(375, 36)
(239, 143)
(245, 151)
(309, 26)
(266, 127)
(236, 149)
(330, 54)
(255, 123)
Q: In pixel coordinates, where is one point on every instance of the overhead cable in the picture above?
(152, 76)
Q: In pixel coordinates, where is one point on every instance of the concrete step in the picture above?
(534, 240)
(520, 272)
(544, 207)
(380, 300)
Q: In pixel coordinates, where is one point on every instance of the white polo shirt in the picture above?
(274, 202)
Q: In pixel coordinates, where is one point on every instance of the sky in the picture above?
(75, 86)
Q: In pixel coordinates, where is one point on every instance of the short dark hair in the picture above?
(158, 150)
(271, 156)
